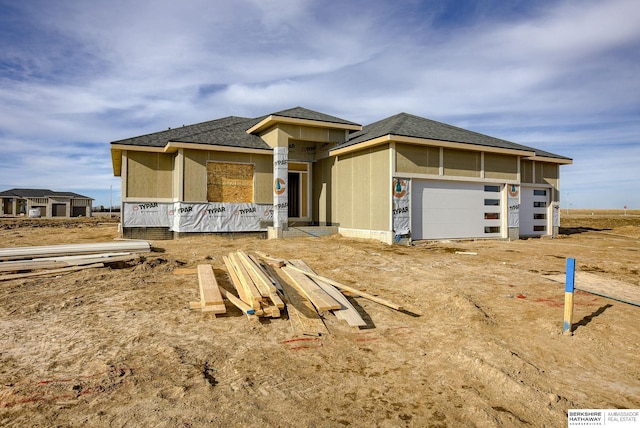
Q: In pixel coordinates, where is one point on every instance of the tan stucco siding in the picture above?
(364, 189)
(305, 143)
(500, 166)
(461, 163)
(526, 171)
(417, 159)
(549, 173)
(195, 173)
(149, 175)
(323, 202)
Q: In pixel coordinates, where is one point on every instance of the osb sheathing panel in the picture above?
(500, 166)
(364, 189)
(149, 175)
(417, 159)
(461, 163)
(229, 182)
(195, 173)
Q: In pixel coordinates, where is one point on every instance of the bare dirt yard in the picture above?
(480, 343)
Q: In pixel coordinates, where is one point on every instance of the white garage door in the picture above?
(534, 211)
(454, 210)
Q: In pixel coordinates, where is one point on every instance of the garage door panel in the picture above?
(449, 210)
(534, 209)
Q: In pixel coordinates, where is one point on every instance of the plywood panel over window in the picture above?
(229, 182)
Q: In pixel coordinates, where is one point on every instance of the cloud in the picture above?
(560, 76)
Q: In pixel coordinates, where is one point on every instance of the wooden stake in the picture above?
(568, 297)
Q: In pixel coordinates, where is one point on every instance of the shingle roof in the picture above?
(228, 131)
(408, 125)
(303, 113)
(39, 193)
(231, 131)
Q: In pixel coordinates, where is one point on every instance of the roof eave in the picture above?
(173, 146)
(562, 161)
(272, 120)
(429, 142)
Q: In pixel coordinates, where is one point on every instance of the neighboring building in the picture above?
(17, 202)
(401, 177)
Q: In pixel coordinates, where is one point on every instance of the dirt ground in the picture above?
(479, 345)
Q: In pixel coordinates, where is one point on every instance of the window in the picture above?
(539, 216)
(492, 216)
(538, 204)
(492, 188)
(492, 202)
(539, 192)
(492, 229)
(539, 228)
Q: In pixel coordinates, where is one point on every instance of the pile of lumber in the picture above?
(22, 262)
(266, 286)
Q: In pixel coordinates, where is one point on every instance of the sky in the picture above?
(561, 76)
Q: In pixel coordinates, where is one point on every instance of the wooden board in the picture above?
(303, 316)
(25, 265)
(22, 253)
(604, 287)
(245, 296)
(260, 280)
(245, 279)
(210, 296)
(268, 271)
(350, 289)
(320, 299)
(270, 260)
(49, 272)
(347, 313)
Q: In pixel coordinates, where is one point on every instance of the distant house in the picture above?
(401, 177)
(16, 202)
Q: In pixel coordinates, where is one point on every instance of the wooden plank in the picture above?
(245, 278)
(321, 300)
(244, 294)
(267, 272)
(25, 265)
(262, 283)
(22, 253)
(303, 316)
(210, 296)
(270, 260)
(105, 260)
(350, 289)
(604, 287)
(237, 302)
(260, 279)
(347, 313)
(49, 272)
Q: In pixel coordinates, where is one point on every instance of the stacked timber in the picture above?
(266, 286)
(55, 259)
(254, 285)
